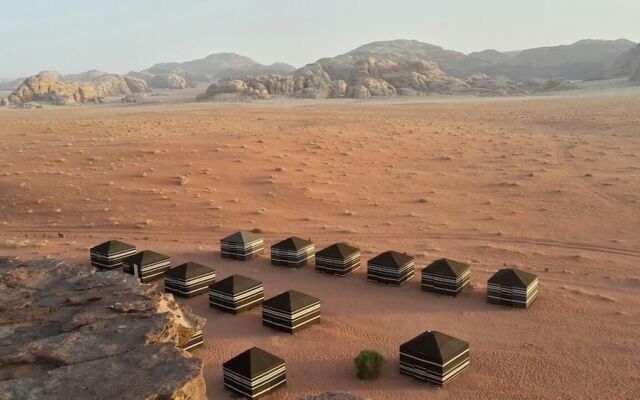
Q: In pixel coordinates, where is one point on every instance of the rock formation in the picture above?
(68, 329)
(369, 77)
(165, 80)
(109, 85)
(366, 81)
(310, 81)
(91, 87)
(49, 87)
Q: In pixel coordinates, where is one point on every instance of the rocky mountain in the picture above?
(583, 60)
(635, 77)
(481, 59)
(383, 69)
(89, 87)
(627, 63)
(340, 67)
(208, 69)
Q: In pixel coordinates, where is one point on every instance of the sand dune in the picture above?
(551, 186)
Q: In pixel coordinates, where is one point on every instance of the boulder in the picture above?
(71, 329)
(4, 102)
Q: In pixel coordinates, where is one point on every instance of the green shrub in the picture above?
(368, 364)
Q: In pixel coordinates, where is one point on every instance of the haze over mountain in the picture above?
(215, 66)
(585, 59)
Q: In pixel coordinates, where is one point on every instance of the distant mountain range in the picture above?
(586, 59)
(388, 67)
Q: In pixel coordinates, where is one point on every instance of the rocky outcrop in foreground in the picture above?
(70, 331)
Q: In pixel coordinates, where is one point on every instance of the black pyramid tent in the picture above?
(146, 265)
(291, 311)
(196, 341)
(512, 287)
(109, 255)
(242, 245)
(235, 294)
(292, 252)
(446, 276)
(189, 279)
(254, 373)
(390, 267)
(338, 259)
(434, 357)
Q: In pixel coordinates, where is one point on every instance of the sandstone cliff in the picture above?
(167, 80)
(68, 329)
(90, 87)
(50, 87)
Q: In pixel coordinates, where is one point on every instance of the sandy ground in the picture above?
(551, 186)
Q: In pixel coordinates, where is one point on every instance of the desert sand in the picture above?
(551, 186)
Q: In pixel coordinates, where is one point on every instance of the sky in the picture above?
(118, 36)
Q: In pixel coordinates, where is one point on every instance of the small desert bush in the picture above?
(368, 364)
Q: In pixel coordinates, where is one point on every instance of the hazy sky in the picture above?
(118, 36)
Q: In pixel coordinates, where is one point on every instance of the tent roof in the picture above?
(112, 246)
(253, 362)
(512, 277)
(188, 270)
(242, 237)
(235, 284)
(338, 250)
(391, 259)
(445, 266)
(291, 300)
(146, 257)
(434, 346)
(293, 243)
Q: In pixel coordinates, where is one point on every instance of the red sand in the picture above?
(551, 186)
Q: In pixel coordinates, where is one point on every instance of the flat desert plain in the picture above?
(549, 185)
